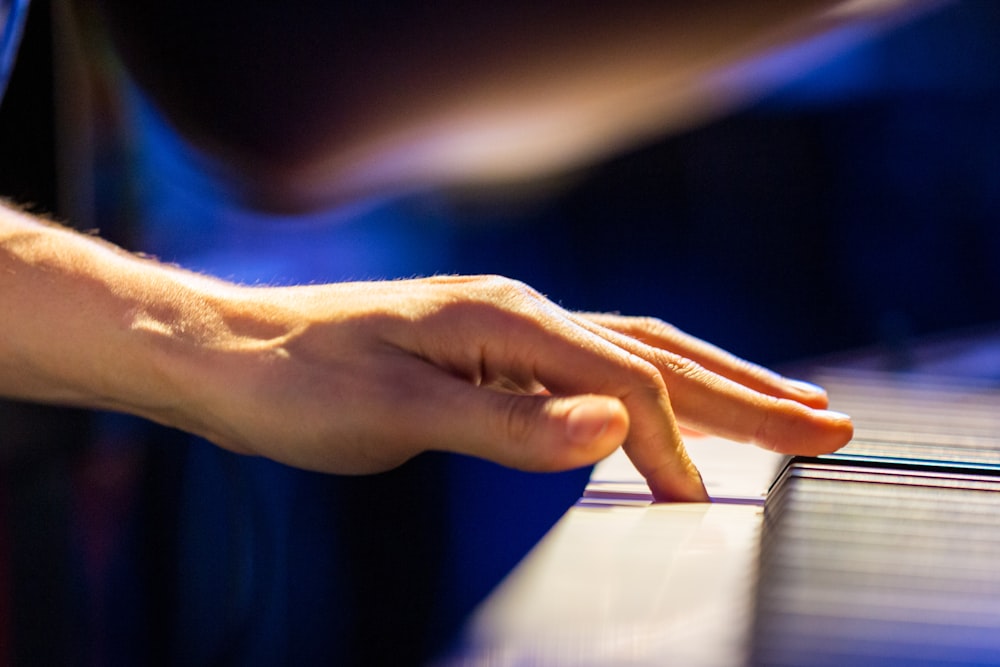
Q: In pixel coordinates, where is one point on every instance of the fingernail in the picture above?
(588, 419)
(833, 415)
(805, 387)
(700, 493)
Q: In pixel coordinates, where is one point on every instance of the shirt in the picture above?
(12, 14)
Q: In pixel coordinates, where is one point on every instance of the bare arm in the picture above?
(359, 377)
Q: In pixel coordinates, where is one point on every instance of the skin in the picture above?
(325, 102)
(357, 378)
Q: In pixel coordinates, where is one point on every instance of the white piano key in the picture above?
(652, 585)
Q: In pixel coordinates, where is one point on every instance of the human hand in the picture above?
(360, 377)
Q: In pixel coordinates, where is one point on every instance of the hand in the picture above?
(360, 377)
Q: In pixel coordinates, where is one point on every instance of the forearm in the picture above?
(88, 324)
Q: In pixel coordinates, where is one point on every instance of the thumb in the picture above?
(537, 432)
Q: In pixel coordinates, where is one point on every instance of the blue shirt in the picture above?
(12, 13)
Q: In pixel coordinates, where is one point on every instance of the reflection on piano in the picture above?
(886, 553)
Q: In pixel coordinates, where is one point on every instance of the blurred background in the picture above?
(855, 205)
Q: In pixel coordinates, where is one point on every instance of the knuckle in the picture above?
(511, 292)
(686, 369)
(502, 304)
(646, 374)
(519, 421)
(765, 431)
(493, 299)
(657, 327)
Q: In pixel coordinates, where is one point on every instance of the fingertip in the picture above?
(596, 418)
(841, 427)
(808, 432)
(677, 478)
(566, 432)
(808, 393)
(687, 488)
(593, 427)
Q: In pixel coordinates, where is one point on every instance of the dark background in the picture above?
(858, 205)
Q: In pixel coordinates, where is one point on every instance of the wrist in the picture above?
(88, 324)
(197, 346)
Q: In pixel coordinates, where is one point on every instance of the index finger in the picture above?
(654, 443)
(495, 329)
(569, 359)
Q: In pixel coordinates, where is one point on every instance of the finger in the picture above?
(717, 405)
(528, 432)
(654, 445)
(711, 403)
(659, 334)
(668, 470)
(548, 433)
(570, 361)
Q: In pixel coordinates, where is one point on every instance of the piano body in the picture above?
(886, 553)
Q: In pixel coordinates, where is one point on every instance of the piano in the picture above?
(885, 553)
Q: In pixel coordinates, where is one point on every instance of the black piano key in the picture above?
(879, 568)
(888, 552)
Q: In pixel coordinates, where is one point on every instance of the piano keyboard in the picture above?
(918, 421)
(886, 553)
